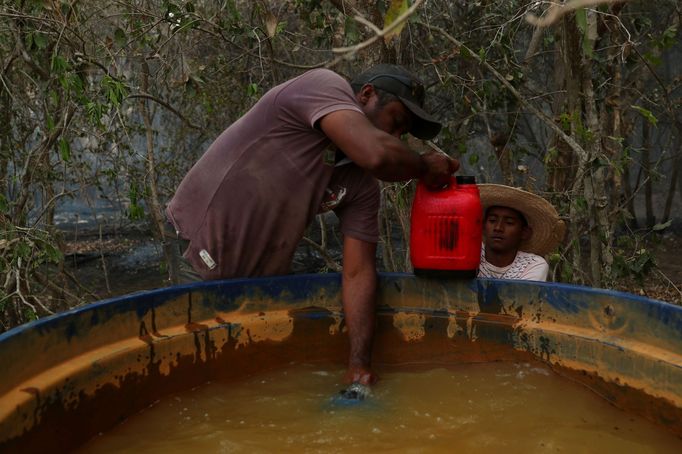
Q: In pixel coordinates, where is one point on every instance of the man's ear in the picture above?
(366, 93)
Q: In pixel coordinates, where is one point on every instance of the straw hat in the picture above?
(548, 229)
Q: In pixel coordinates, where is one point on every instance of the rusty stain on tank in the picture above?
(123, 354)
(411, 326)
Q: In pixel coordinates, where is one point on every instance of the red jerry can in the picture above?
(445, 235)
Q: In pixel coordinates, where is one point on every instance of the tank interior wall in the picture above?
(71, 376)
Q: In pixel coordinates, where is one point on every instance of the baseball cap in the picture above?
(408, 88)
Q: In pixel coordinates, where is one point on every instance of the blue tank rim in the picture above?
(275, 283)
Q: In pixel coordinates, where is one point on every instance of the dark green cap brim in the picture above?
(424, 126)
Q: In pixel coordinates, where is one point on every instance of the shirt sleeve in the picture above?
(537, 271)
(317, 93)
(358, 213)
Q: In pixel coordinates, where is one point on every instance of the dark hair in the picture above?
(519, 214)
(385, 97)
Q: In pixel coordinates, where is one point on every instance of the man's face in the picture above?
(504, 230)
(393, 117)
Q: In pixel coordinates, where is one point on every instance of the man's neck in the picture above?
(499, 259)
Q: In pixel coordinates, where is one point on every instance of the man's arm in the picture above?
(383, 155)
(359, 294)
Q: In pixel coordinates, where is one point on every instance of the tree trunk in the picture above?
(561, 166)
(677, 162)
(571, 60)
(158, 219)
(646, 168)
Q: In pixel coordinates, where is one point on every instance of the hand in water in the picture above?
(361, 375)
(356, 392)
(360, 379)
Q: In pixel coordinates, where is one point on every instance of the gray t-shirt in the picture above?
(246, 203)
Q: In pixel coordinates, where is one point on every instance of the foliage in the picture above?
(120, 98)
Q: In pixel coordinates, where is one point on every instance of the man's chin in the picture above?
(496, 247)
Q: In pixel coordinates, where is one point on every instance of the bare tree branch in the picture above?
(167, 106)
(575, 146)
(558, 10)
(378, 33)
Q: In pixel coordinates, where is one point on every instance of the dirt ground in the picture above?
(115, 266)
(664, 282)
(130, 263)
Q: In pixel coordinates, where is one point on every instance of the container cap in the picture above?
(466, 179)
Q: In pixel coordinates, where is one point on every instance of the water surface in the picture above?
(475, 408)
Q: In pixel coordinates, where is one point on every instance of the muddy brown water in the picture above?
(479, 408)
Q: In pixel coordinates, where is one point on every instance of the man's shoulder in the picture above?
(316, 93)
(322, 72)
(322, 78)
(529, 257)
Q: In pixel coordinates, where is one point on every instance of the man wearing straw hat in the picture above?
(519, 229)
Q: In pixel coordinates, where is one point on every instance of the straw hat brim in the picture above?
(542, 217)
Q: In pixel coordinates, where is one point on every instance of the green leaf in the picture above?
(50, 122)
(53, 97)
(351, 30)
(646, 114)
(115, 91)
(40, 40)
(64, 150)
(395, 10)
(668, 38)
(566, 272)
(172, 10)
(281, 25)
(4, 204)
(59, 64)
(120, 37)
(23, 250)
(74, 83)
(135, 210)
(581, 203)
(473, 159)
(653, 59)
(565, 119)
(54, 255)
(94, 111)
(581, 19)
(252, 89)
(30, 314)
(660, 227)
(587, 47)
(554, 258)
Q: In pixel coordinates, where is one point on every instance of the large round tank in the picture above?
(73, 375)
